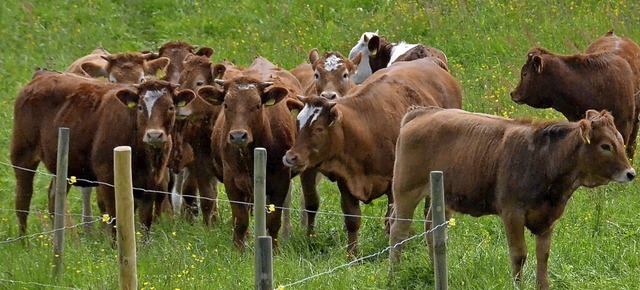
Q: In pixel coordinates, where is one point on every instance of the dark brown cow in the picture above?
(193, 149)
(378, 53)
(522, 171)
(100, 116)
(128, 68)
(630, 51)
(572, 84)
(352, 140)
(254, 115)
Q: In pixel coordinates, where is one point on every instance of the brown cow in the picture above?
(331, 74)
(378, 53)
(572, 84)
(352, 140)
(254, 115)
(630, 51)
(304, 74)
(129, 68)
(176, 52)
(522, 171)
(194, 134)
(100, 116)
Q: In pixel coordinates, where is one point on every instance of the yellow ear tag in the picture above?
(182, 103)
(270, 102)
(374, 52)
(131, 104)
(587, 140)
(161, 74)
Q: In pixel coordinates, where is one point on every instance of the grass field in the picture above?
(595, 244)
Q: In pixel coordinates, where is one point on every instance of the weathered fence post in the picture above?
(439, 234)
(60, 196)
(263, 256)
(125, 227)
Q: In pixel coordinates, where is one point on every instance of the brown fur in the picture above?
(522, 171)
(353, 140)
(99, 120)
(331, 84)
(383, 55)
(572, 84)
(95, 57)
(176, 52)
(251, 120)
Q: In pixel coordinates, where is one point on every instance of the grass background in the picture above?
(595, 244)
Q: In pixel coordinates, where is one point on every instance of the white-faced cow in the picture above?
(100, 116)
(254, 114)
(377, 53)
(352, 140)
(572, 84)
(522, 171)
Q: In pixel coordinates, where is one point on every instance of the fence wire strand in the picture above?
(46, 286)
(11, 240)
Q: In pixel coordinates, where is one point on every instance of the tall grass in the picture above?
(595, 244)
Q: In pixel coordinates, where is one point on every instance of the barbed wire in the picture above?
(73, 180)
(108, 220)
(365, 257)
(36, 284)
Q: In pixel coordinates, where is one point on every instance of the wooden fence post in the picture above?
(439, 234)
(60, 196)
(263, 269)
(125, 227)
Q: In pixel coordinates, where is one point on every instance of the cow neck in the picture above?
(158, 159)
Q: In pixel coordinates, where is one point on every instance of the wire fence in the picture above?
(109, 220)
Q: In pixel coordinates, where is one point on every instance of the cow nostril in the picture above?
(631, 175)
(154, 135)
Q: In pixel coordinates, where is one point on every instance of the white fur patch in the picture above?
(150, 98)
(398, 50)
(308, 112)
(363, 70)
(332, 63)
(244, 87)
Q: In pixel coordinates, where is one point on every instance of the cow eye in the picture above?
(606, 147)
(171, 108)
(258, 107)
(224, 105)
(139, 108)
(345, 76)
(199, 83)
(142, 79)
(316, 76)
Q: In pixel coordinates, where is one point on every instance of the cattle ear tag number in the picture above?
(270, 102)
(131, 104)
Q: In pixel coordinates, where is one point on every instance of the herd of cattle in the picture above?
(376, 123)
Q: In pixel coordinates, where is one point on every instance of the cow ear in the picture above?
(356, 59)
(218, 71)
(212, 95)
(374, 44)
(273, 95)
(537, 63)
(585, 130)
(156, 65)
(128, 97)
(313, 57)
(184, 97)
(94, 70)
(205, 51)
(187, 58)
(592, 114)
(334, 114)
(294, 107)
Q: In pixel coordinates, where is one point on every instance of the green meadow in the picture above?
(595, 244)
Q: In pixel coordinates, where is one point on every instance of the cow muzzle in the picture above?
(239, 138)
(155, 137)
(329, 95)
(293, 160)
(625, 176)
(517, 98)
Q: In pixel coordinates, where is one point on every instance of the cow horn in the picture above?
(267, 84)
(219, 81)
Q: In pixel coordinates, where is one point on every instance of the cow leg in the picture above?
(176, 190)
(308, 180)
(351, 208)
(240, 216)
(387, 221)
(543, 246)
(209, 199)
(401, 221)
(24, 192)
(286, 214)
(276, 194)
(87, 215)
(107, 195)
(145, 211)
(514, 227)
(631, 145)
(189, 193)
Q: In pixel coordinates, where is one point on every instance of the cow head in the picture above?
(199, 71)
(244, 101)
(332, 73)
(177, 52)
(155, 103)
(534, 76)
(602, 157)
(133, 68)
(367, 45)
(319, 123)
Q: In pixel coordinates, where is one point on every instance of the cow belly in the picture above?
(471, 203)
(368, 188)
